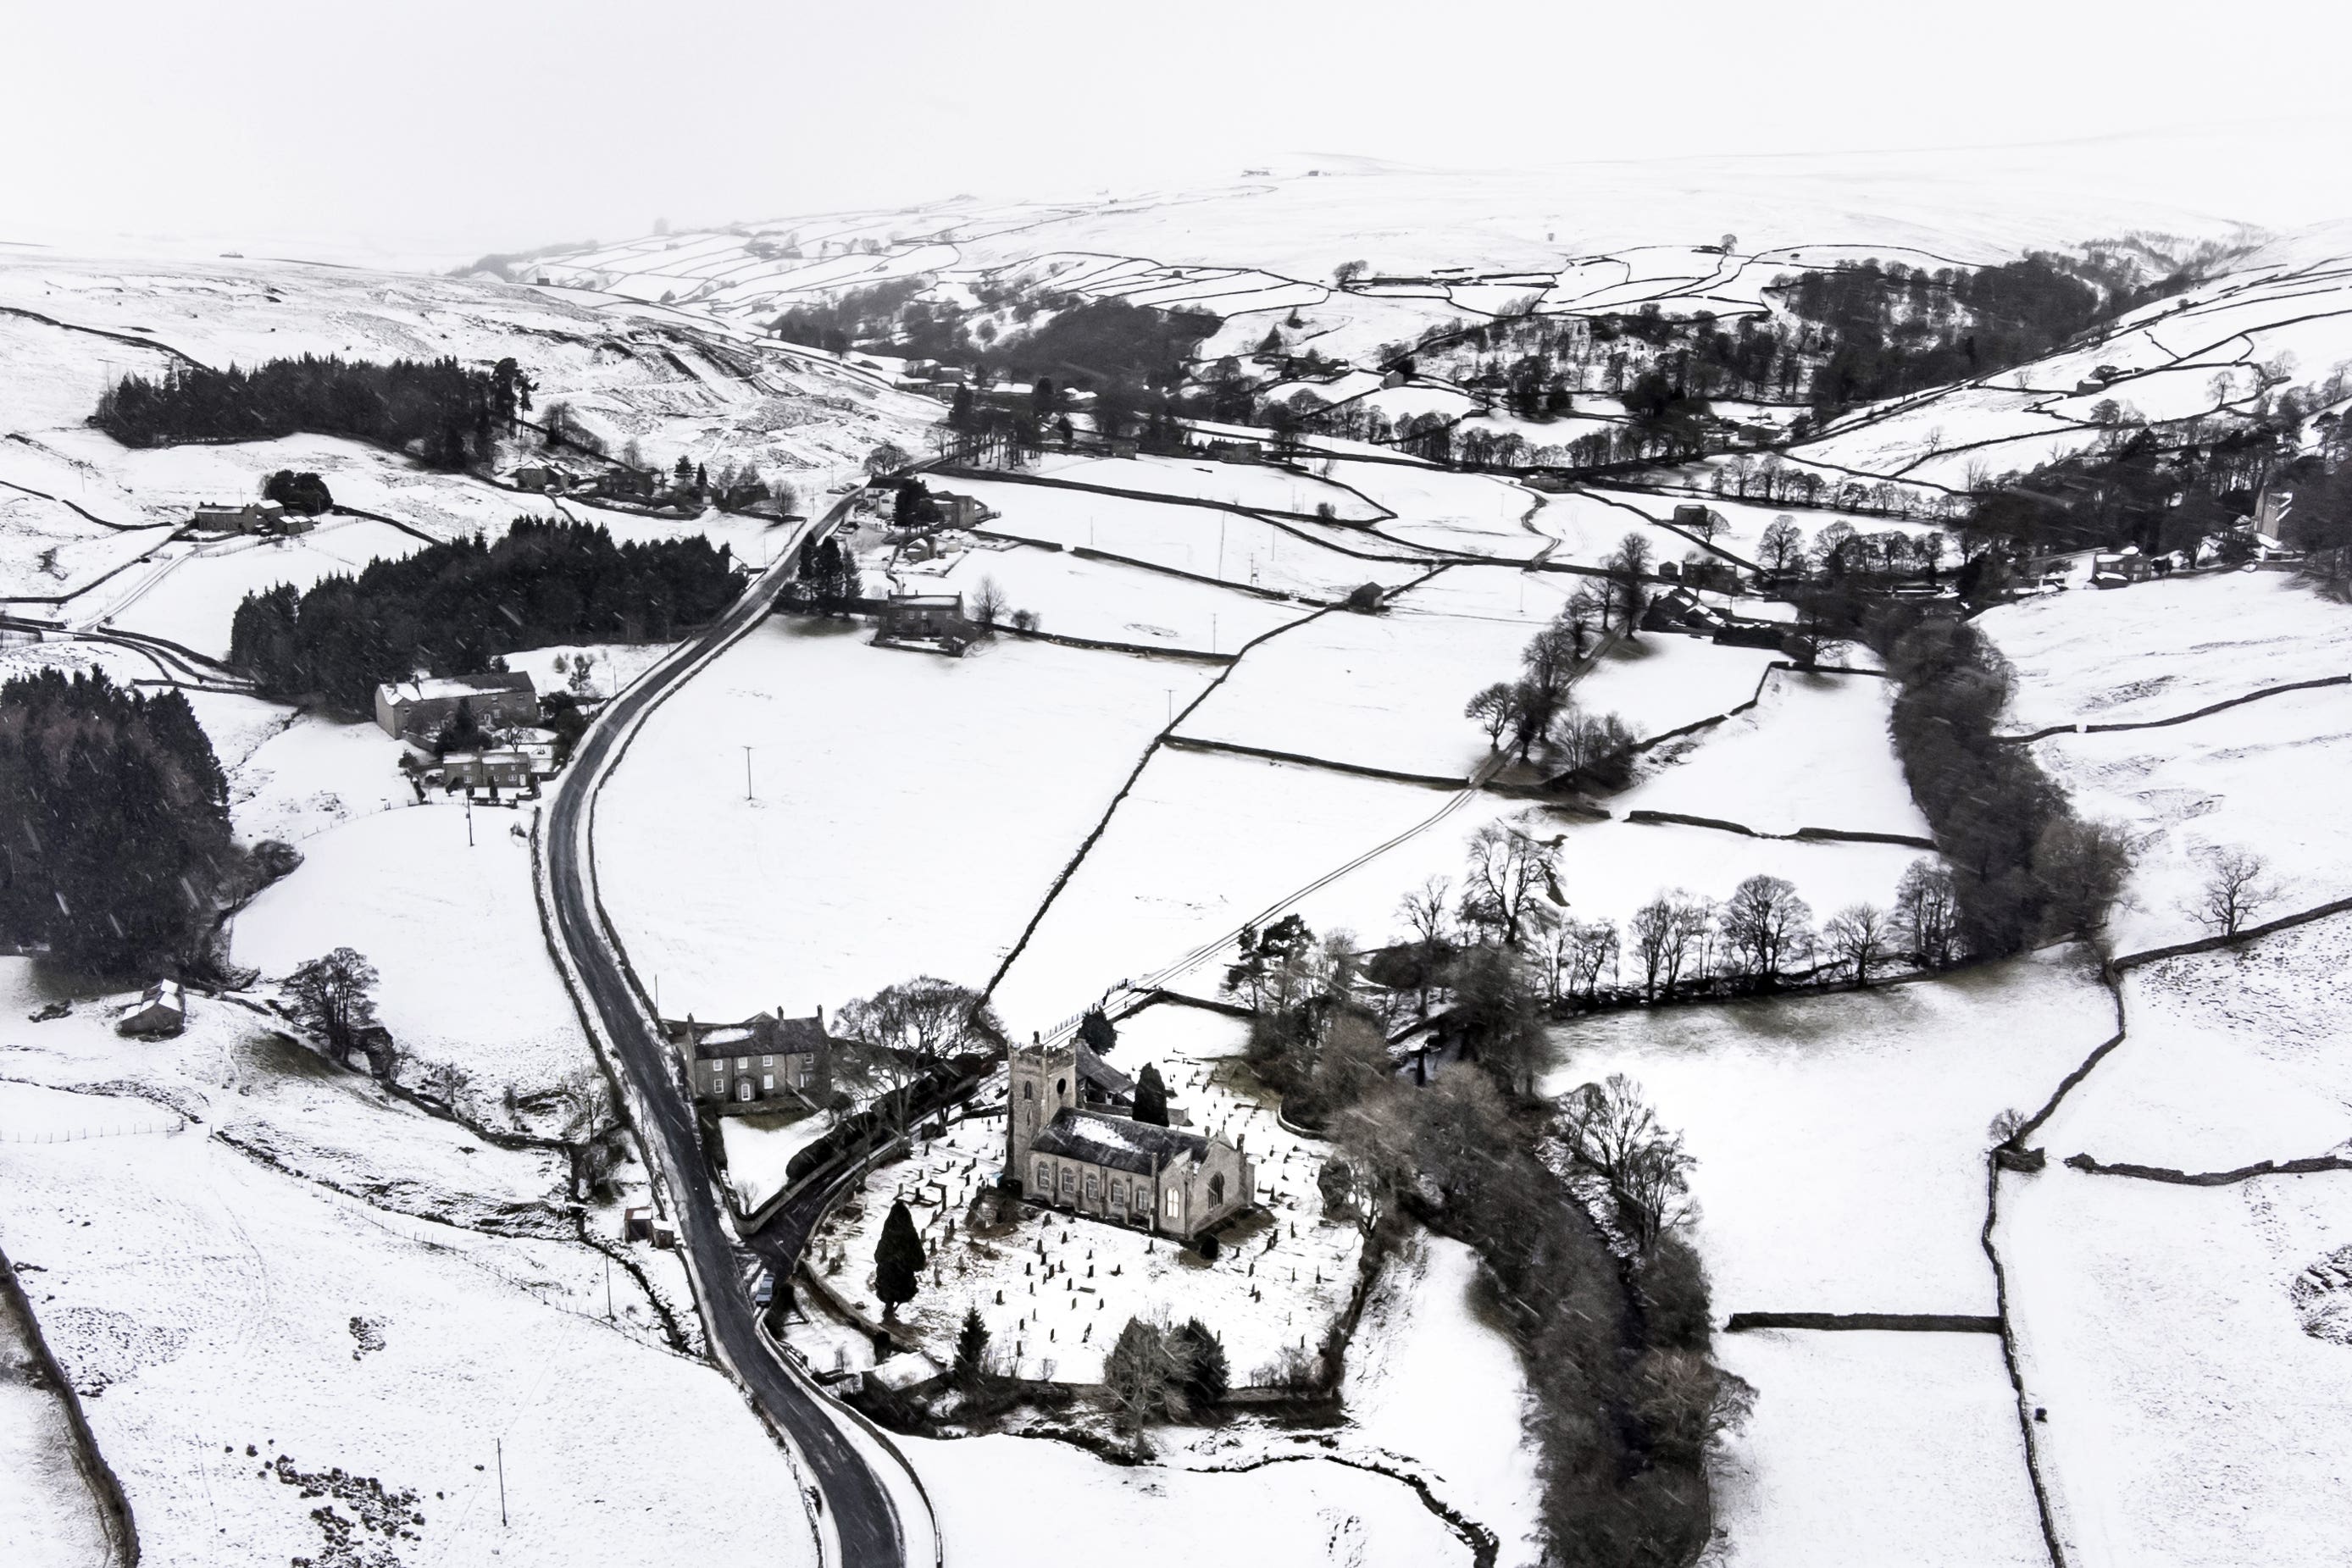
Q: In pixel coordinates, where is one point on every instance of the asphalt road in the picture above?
(853, 1496)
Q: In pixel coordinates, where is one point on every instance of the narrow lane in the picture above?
(854, 1498)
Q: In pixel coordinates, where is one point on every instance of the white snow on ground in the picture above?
(1291, 1514)
(760, 1151)
(1227, 547)
(1472, 506)
(2231, 1058)
(192, 599)
(50, 1514)
(2248, 777)
(1060, 1325)
(2163, 648)
(612, 667)
(1377, 691)
(1814, 753)
(1840, 1139)
(1453, 1412)
(2192, 1419)
(203, 1295)
(1663, 681)
(910, 811)
(1869, 1449)
(1259, 486)
(307, 774)
(1106, 602)
(1202, 844)
(453, 929)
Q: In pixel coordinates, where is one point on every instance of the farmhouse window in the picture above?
(767, 1061)
(767, 1082)
(1175, 1202)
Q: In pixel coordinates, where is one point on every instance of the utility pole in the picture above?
(746, 773)
(502, 1482)
(608, 1289)
(469, 817)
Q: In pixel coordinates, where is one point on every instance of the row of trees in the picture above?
(1537, 709)
(2025, 869)
(456, 608)
(1627, 1400)
(118, 849)
(442, 412)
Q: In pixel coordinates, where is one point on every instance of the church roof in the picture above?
(1102, 1074)
(1117, 1142)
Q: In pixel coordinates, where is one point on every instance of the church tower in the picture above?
(1042, 1082)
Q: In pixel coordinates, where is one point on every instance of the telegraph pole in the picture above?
(502, 1482)
(746, 773)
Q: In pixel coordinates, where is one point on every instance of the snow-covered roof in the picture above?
(1117, 1142)
(454, 686)
(765, 1033)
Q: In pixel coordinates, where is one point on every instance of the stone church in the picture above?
(1072, 1144)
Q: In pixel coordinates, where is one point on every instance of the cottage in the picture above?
(959, 511)
(161, 1011)
(1105, 1164)
(506, 768)
(1235, 451)
(540, 476)
(252, 518)
(421, 707)
(765, 1058)
(922, 617)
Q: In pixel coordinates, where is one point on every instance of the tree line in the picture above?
(456, 608)
(445, 414)
(1627, 1399)
(118, 848)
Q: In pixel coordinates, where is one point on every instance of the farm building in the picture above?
(421, 707)
(161, 1011)
(922, 617)
(765, 1058)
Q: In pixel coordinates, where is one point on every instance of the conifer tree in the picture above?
(1151, 1097)
(972, 1350)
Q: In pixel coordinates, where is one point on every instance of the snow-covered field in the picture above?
(2164, 648)
(1107, 602)
(1055, 1291)
(1814, 753)
(1254, 486)
(453, 929)
(908, 810)
(191, 594)
(2246, 779)
(1456, 1415)
(1840, 1139)
(2193, 1373)
(302, 1273)
(51, 1514)
(1868, 1450)
(760, 1151)
(1377, 691)
(1304, 1511)
(2230, 1059)
(1225, 546)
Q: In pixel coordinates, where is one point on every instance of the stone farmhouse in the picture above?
(251, 518)
(161, 1011)
(755, 1064)
(1070, 1146)
(420, 707)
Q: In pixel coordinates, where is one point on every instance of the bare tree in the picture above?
(2235, 891)
(892, 1038)
(330, 999)
(1428, 911)
(1765, 925)
(1856, 936)
(987, 605)
(1496, 711)
(1927, 912)
(1592, 946)
(1626, 569)
(1662, 932)
(1782, 547)
(1508, 872)
(1611, 1128)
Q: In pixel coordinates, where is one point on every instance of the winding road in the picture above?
(854, 1498)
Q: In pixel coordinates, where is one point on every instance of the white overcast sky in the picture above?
(434, 129)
